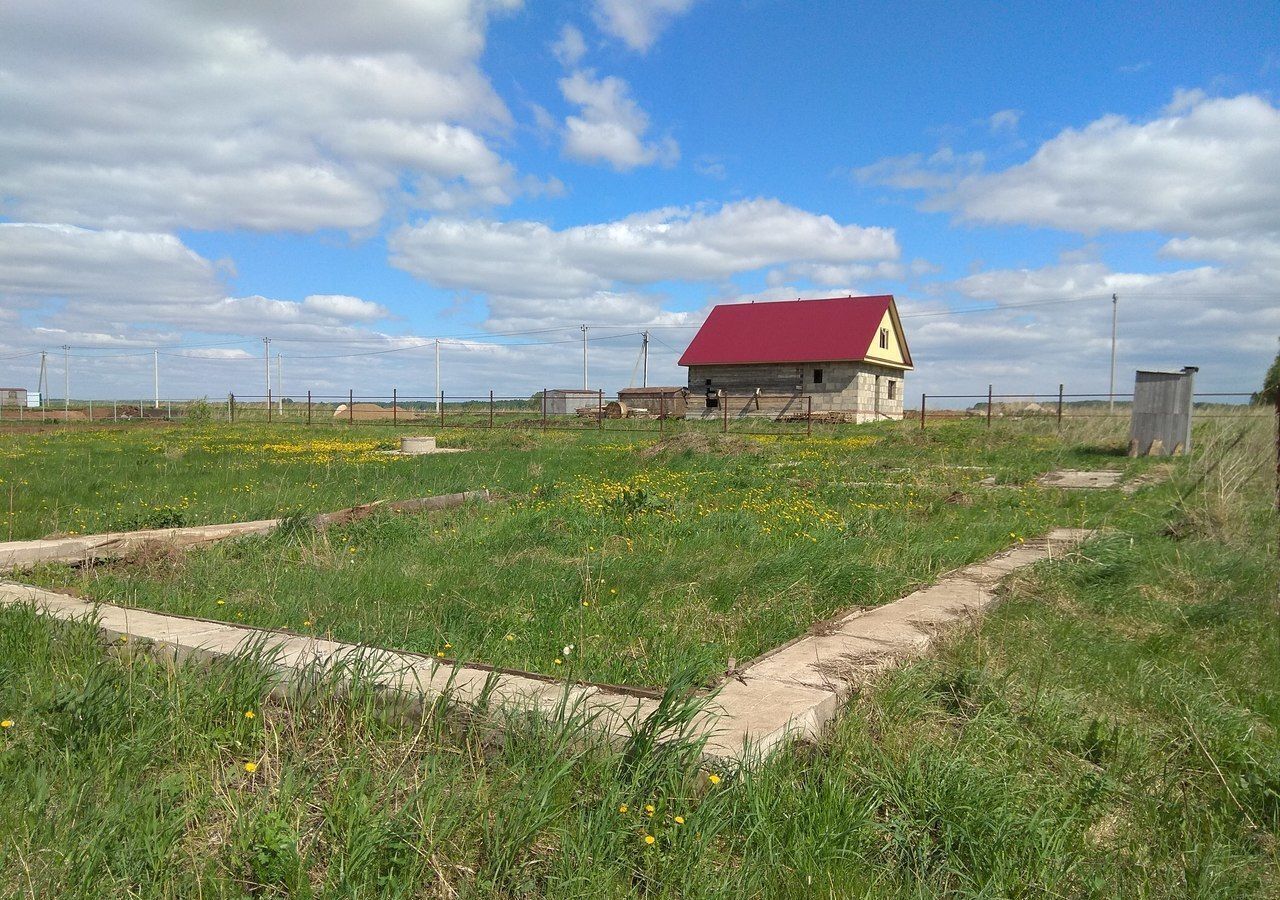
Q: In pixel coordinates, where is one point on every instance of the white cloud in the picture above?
(529, 259)
(637, 23)
(570, 47)
(1207, 166)
(1005, 121)
(167, 115)
(611, 126)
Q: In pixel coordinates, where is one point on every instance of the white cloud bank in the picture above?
(146, 114)
(533, 273)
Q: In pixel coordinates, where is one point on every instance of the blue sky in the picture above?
(360, 182)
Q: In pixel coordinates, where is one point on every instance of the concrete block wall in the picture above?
(845, 387)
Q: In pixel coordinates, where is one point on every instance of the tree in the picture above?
(1270, 392)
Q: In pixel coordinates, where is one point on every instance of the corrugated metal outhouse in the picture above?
(1161, 421)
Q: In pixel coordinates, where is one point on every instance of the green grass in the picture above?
(1110, 730)
(647, 564)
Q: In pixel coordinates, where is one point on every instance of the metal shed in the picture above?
(1161, 420)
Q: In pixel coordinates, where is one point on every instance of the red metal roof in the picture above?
(838, 329)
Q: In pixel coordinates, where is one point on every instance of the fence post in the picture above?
(600, 408)
(395, 414)
(308, 407)
(442, 409)
(231, 407)
(168, 410)
(1060, 387)
(989, 396)
(90, 409)
(116, 418)
(662, 414)
(268, 407)
(544, 409)
(490, 408)
(724, 411)
(351, 405)
(923, 399)
(808, 416)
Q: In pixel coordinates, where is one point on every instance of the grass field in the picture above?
(1110, 730)
(647, 565)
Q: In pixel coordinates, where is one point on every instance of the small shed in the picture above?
(670, 401)
(565, 401)
(1160, 424)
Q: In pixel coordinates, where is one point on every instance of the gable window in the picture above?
(884, 339)
(893, 389)
(817, 376)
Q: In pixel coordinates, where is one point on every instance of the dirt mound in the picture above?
(371, 412)
(153, 558)
(696, 442)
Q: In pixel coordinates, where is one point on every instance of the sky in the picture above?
(362, 183)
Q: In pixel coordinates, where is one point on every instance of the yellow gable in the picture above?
(886, 344)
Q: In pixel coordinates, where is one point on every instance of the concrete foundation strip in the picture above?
(789, 693)
(89, 547)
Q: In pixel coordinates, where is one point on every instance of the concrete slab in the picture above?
(790, 693)
(1075, 479)
(112, 545)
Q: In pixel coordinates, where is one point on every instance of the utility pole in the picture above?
(1111, 403)
(585, 384)
(266, 360)
(155, 371)
(644, 368)
(280, 380)
(42, 383)
(66, 383)
(437, 376)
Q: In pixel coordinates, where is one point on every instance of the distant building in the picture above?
(12, 398)
(845, 355)
(662, 400)
(566, 401)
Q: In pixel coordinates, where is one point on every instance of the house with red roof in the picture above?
(843, 356)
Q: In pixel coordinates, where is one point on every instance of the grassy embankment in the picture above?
(1111, 730)
(647, 564)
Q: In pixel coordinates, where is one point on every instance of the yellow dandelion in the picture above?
(586, 602)
(306, 622)
(649, 839)
(623, 808)
(440, 653)
(613, 590)
(559, 661)
(679, 820)
(251, 767)
(713, 778)
(249, 714)
(511, 637)
(7, 723)
(222, 602)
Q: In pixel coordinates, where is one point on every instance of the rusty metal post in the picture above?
(989, 396)
(923, 399)
(724, 410)
(395, 412)
(662, 414)
(600, 408)
(231, 407)
(442, 409)
(351, 406)
(808, 417)
(491, 409)
(1060, 388)
(308, 407)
